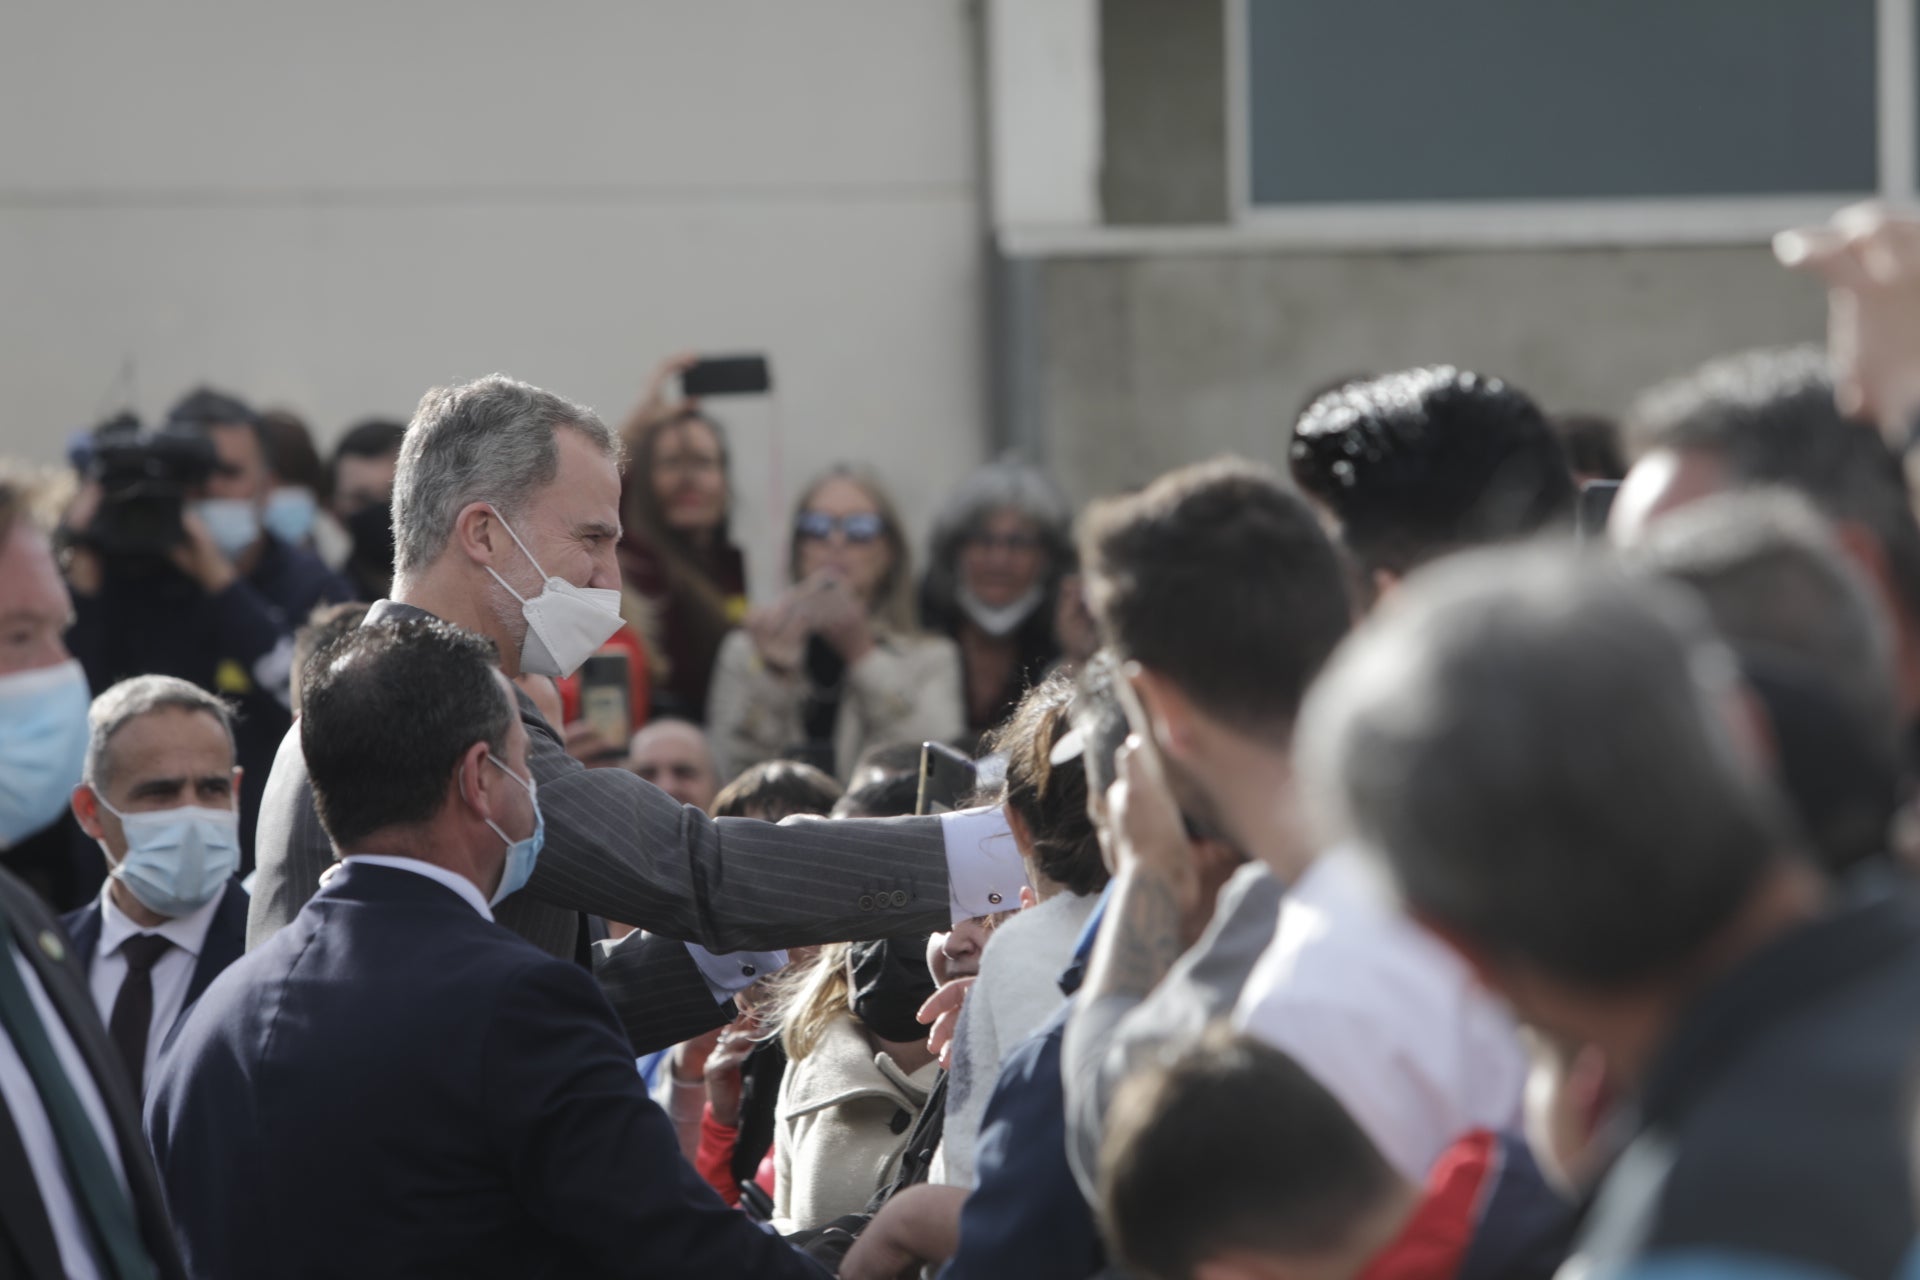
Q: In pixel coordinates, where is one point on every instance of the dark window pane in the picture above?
(1382, 100)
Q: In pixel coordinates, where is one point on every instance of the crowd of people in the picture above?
(422, 859)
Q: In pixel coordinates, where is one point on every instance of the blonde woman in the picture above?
(852, 1091)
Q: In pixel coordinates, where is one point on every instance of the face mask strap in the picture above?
(523, 551)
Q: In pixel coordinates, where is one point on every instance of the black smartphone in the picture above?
(606, 697)
(727, 376)
(1596, 503)
(947, 779)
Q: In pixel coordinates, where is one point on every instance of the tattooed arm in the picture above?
(1144, 932)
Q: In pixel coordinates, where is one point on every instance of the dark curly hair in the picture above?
(1415, 464)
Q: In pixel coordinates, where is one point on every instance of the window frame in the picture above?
(1544, 223)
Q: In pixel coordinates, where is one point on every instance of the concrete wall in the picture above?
(332, 207)
(1144, 362)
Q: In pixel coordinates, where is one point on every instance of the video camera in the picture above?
(144, 477)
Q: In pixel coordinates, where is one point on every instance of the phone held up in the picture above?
(947, 779)
(745, 375)
(606, 698)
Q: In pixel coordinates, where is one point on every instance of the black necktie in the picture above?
(116, 1230)
(133, 1007)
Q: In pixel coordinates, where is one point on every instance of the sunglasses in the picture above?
(862, 526)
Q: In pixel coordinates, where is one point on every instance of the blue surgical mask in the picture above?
(521, 854)
(289, 514)
(43, 746)
(177, 859)
(233, 522)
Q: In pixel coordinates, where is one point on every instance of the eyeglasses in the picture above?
(860, 527)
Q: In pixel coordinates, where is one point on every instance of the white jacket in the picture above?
(844, 1115)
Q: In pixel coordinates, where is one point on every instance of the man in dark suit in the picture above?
(506, 514)
(78, 1193)
(159, 797)
(395, 1086)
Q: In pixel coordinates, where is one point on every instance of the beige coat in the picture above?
(907, 689)
(838, 1128)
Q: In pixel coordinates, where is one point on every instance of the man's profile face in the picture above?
(572, 525)
(240, 464)
(170, 758)
(361, 482)
(34, 607)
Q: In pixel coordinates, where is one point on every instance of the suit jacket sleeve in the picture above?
(594, 1160)
(657, 991)
(621, 848)
(66, 986)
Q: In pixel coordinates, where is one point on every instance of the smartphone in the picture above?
(606, 697)
(947, 779)
(1596, 503)
(727, 376)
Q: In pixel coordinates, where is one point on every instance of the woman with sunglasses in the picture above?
(836, 665)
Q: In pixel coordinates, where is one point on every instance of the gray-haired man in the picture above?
(506, 514)
(160, 797)
(1555, 765)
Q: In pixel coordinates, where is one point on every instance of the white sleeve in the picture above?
(984, 870)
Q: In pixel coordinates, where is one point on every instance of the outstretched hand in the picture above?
(1869, 258)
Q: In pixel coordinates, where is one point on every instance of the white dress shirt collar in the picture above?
(466, 888)
(188, 932)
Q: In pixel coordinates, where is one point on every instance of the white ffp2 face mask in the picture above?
(565, 623)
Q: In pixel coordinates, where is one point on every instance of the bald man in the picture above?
(674, 756)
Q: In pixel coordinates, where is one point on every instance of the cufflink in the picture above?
(746, 971)
(994, 899)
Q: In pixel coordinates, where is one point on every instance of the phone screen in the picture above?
(605, 701)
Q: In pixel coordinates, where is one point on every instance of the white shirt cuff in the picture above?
(727, 976)
(984, 870)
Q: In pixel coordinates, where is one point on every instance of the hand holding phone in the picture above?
(1146, 831)
(947, 779)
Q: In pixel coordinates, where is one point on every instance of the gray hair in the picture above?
(1004, 484)
(1769, 416)
(127, 701)
(489, 441)
(1774, 578)
(1811, 632)
(1537, 746)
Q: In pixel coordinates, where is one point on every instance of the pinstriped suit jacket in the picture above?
(621, 848)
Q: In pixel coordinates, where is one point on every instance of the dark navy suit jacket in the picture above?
(226, 942)
(393, 1086)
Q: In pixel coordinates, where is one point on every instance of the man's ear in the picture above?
(477, 532)
(1172, 713)
(471, 784)
(86, 811)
